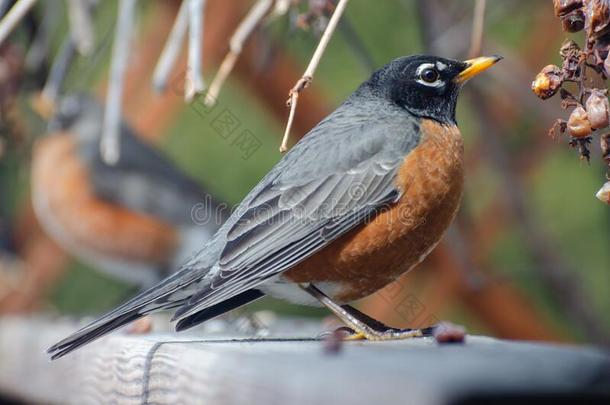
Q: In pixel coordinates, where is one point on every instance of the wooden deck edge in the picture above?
(164, 368)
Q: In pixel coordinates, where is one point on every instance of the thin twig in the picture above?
(81, 25)
(40, 48)
(172, 48)
(194, 85)
(59, 69)
(242, 33)
(109, 144)
(478, 25)
(280, 8)
(12, 18)
(307, 77)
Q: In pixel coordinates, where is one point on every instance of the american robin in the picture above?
(135, 219)
(358, 201)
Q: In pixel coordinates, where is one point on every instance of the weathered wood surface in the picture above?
(165, 368)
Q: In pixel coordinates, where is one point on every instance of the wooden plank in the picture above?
(216, 368)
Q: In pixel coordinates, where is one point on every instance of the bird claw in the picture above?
(349, 334)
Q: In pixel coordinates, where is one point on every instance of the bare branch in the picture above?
(307, 77)
(40, 47)
(172, 48)
(242, 33)
(45, 104)
(280, 8)
(194, 85)
(12, 18)
(478, 25)
(109, 143)
(81, 25)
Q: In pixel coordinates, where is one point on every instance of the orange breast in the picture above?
(375, 254)
(71, 212)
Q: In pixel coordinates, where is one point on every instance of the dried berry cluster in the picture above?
(590, 113)
(312, 15)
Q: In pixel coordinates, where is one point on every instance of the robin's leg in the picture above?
(365, 326)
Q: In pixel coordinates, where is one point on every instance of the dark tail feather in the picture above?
(85, 336)
(218, 309)
(168, 294)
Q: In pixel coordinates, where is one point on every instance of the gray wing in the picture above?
(340, 174)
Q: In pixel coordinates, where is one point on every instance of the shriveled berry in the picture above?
(547, 82)
(605, 147)
(598, 22)
(574, 21)
(571, 54)
(569, 48)
(598, 109)
(563, 7)
(604, 193)
(607, 66)
(578, 123)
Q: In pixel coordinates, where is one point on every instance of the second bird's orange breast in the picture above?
(376, 253)
(68, 207)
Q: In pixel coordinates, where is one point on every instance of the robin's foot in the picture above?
(350, 334)
(363, 326)
(345, 332)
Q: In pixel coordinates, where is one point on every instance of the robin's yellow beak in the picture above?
(476, 66)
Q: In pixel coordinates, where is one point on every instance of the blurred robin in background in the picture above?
(10, 265)
(361, 199)
(135, 219)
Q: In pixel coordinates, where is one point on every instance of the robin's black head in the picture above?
(427, 86)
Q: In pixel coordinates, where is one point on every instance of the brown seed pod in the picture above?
(605, 65)
(547, 82)
(562, 7)
(598, 22)
(574, 21)
(569, 48)
(571, 54)
(578, 123)
(600, 53)
(604, 193)
(605, 146)
(598, 109)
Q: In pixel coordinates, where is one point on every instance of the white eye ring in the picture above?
(437, 83)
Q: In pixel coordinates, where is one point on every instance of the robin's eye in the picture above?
(429, 75)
